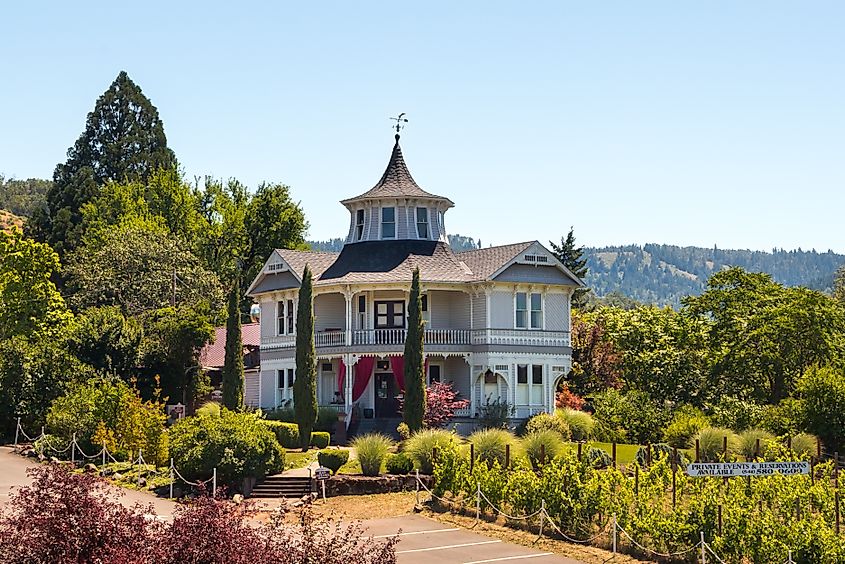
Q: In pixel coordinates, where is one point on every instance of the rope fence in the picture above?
(544, 517)
(104, 456)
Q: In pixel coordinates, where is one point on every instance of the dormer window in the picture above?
(422, 223)
(388, 223)
(359, 225)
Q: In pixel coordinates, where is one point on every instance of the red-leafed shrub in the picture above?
(76, 518)
(565, 398)
(441, 402)
(65, 517)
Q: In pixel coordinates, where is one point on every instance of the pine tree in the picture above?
(572, 258)
(233, 367)
(305, 384)
(414, 405)
(123, 141)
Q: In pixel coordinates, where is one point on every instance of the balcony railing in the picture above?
(396, 337)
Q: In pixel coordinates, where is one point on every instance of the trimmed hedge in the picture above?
(333, 458)
(320, 439)
(286, 433)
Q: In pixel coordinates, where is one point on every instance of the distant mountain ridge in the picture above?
(663, 274)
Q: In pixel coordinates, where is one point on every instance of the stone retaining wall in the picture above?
(344, 484)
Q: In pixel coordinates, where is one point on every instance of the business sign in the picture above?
(322, 473)
(727, 469)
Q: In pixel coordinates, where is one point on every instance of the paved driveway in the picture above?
(13, 475)
(425, 541)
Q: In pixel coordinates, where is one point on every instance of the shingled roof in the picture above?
(484, 262)
(396, 182)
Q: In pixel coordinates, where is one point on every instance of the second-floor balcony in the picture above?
(392, 338)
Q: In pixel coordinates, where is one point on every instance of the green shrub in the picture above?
(320, 439)
(399, 464)
(822, 405)
(238, 444)
(685, 425)
(598, 458)
(604, 432)
(785, 418)
(548, 443)
(711, 443)
(371, 451)
(747, 442)
(733, 413)
(804, 445)
(286, 433)
(548, 422)
(211, 408)
(580, 423)
(491, 445)
(333, 458)
(496, 414)
(285, 414)
(420, 445)
(326, 420)
(628, 417)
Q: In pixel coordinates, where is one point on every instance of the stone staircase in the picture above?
(282, 486)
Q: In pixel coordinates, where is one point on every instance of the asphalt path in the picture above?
(425, 541)
(13, 475)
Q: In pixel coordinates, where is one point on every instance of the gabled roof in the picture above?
(396, 182)
(214, 354)
(485, 262)
(318, 261)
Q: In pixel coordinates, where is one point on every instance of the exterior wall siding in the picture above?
(501, 310)
(556, 312)
(329, 312)
(479, 311)
(268, 318)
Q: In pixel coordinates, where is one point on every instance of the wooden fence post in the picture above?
(674, 474)
(542, 454)
(697, 450)
(836, 504)
(507, 456)
(471, 456)
(613, 453)
(788, 442)
(720, 519)
(818, 448)
(648, 454)
(637, 479)
(580, 444)
(757, 449)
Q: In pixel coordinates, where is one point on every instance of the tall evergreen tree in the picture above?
(305, 384)
(572, 258)
(123, 141)
(233, 366)
(414, 405)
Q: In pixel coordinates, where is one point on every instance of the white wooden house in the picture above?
(497, 319)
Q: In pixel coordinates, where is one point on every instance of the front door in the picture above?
(387, 395)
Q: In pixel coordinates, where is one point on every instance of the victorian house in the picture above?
(497, 319)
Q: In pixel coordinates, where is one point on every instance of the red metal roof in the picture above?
(214, 355)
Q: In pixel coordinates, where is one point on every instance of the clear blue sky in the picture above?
(689, 123)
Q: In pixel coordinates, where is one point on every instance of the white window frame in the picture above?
(281, 319)
(438, 364)
(528, 310)
(418, 223)
(285, 317)
(382, 222)
(359, 225)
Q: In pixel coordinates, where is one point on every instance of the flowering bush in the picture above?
(441, 402)
(565, 398)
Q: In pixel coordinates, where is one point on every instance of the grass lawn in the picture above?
(295, 458)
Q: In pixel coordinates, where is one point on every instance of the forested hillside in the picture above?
(663, 274)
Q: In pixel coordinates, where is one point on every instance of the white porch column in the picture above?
(348, 296)
(350, 361)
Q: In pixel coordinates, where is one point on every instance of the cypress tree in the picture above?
(233, 367)
(123, 141)
(572, 258)
(305, 384)
(414, 405)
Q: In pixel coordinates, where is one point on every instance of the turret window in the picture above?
(422, 223)
(359, 225)
(388, 223)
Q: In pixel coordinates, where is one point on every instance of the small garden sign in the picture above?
(727, 469)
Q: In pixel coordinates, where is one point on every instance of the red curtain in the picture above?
(363, 372)
(341, 378)
(397, 365)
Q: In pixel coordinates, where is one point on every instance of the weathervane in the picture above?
(400, 121)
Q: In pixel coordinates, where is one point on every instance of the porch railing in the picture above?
(330, 338)
(520, 337)
(397, 337)
(514, 337)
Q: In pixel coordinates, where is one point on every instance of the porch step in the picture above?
(282, 486)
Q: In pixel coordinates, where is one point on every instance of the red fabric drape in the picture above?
(341, 378)
(397, 365)
(363, 372)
